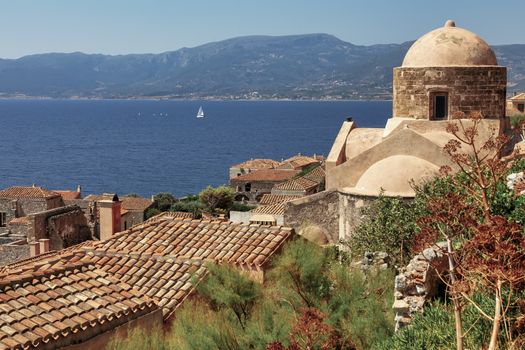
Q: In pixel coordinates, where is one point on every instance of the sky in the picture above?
(154, 26)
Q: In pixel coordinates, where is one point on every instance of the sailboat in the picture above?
(200, 113)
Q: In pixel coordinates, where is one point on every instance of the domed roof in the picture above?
(393, 174)
(449, 46)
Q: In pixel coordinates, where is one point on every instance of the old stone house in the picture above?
(252, 186)
(79, 298)
(516, 104)
(31, 214)
(251, 166)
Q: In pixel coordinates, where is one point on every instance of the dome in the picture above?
(393, 174)
(449, 46)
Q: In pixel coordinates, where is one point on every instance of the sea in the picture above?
(152, 146)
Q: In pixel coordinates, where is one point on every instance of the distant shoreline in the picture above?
(39, 98)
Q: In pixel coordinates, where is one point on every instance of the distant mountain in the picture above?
(298, 66)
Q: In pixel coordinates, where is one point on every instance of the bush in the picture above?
(217, 198)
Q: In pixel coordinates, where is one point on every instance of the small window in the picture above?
(125, 225)
(521, 107)
(2, 219)
(439, 106)
(248, 187)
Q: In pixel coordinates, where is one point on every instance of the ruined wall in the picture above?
(64, 226)
(418, 282)
(12, 250)
(351, 205)
(470, 89)
(320, 209)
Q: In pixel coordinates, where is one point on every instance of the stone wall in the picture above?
(469, 89)
(64, 226)
(131, 218)
(7, 206)
(418, 283)
(320, 210)
(11, 250)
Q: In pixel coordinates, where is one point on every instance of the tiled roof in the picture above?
(165, 280)
(222, 241)
(269, 198)
(62, 297)
(94, 284)
(257, 164)
(272, 175)
(297, 162)
(170, 215)
(519, 97)
(23, 220)
(27, 192)
(69, 195)
(275, 209)
(303, 183)
(128, 203)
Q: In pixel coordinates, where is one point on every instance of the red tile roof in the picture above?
(170, 215)
(304, 183)
(69, 195)
(270, 175)
(27, 192)
(297, 162)
(269, 198)
(60, 294)
(275, 209)
(23, 220)
(61, 297)
(257, 164)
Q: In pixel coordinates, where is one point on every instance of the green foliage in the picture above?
(517, 120)
(236, 206)
(194, 206)
(389, 225)
(138, 339)
(150, 212)
(435, 329)
(232, 312)
(226, 289)
(217, 198)
(163, 201)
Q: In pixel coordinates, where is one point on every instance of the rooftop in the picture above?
(100, 285)
(257, 164)
(518, 97)
(69, 195)
(16, 192)
(272, 209)
(297, 162)
(272, 175)
(128, 203)
(268, 198)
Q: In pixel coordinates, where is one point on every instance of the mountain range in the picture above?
(310, 66)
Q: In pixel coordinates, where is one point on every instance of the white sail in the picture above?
(200, 113)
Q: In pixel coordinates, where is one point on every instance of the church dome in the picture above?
(449, 46)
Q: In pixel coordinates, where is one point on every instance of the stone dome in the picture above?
(449, 46)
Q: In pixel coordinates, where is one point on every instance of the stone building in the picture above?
(251, 166)
(252, 186)
(447, 74)
(516, 104)
(31, 214)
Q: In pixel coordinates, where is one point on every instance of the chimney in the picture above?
(109, 222)
(34, 249)
(79, 188)
(44, 245)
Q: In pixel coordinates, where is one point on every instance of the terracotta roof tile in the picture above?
(271, 175)
(69, 195)
(170, 215)
(257, 164)
(268, 198)
(275, 209)
(297, 162)
(128, 203)
(23, 220)
(57, 312)
(27, 192)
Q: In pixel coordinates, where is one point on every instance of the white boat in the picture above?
(200, 113)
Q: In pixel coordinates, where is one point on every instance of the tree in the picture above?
(217, 198)
(163, 201)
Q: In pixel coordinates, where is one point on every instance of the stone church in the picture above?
(446, 71)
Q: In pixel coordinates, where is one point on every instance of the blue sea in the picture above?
(149, 146)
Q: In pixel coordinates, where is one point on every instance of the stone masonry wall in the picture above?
(470, 89)
(417, 283)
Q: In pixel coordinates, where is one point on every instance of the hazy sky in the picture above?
(138, 26)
